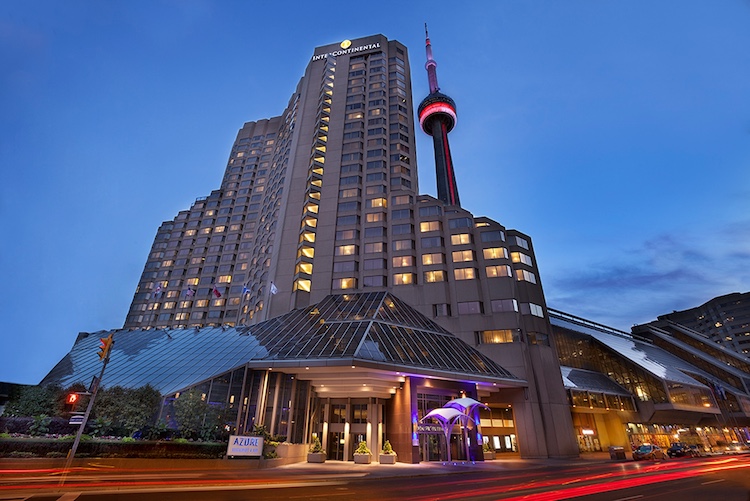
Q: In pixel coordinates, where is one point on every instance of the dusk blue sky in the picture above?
(615, 133)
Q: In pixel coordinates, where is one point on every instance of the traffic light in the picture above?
(105, 346)
(72, 399)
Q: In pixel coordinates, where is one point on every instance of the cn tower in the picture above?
(437, 116)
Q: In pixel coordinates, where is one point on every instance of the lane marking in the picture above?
(639, 496)
(713, 481)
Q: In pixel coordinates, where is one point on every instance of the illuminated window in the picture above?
(302, 284)
(426, 226)
(220, 229)
(465, 274)
(375, 217)
(402, 244)
(346, 250)
(403, 278)
(347, 234)
(401, 199)
(526, 276)
(497, 336)
(460, 239)
(520, 257)
(201, 303)
(436, 258)
(344, 283)
(224, 279)
(169, 305)
(307, 236)
(306, 251)
(311, 207)
(434, 276)
(495, 253)
(185, 304)
(304, 267)
(500, 270)
(192, 281)
(462, 256)
(401, 261)
(376, 202)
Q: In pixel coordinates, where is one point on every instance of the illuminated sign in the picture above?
(346, 48)
(245, 446)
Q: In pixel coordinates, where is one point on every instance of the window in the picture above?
(522, 242)
(401, 261)
(464, 222)
(374, 247)
(344, 283)
(500, 270)
(345, 266)
(426, 226)
(441, 310)
(460, 239)
(497, 336)
(374, 264)
(401, 214)
(469, 307)
(462, 256)
(401, 199)
(375, 281)
(436, 258)
(526, 276)
(538, 338)
(402, 229)
(432, 210)
(302, 284)
(345, 220)
(465, 274)
(376, 202)
(402, 244)
(495, 253)
(347, 234)
(500, 305)
(403, 278)
(342, 207)
(345, 250)
(431, 242)
(303, 267)
(375, 217)
(434, 276)
(377, 231)
(520, 257)
(493, 236)
(532, 309)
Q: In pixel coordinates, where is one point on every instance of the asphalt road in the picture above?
(724, 478)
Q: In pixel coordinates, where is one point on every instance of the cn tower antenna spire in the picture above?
(430, 65)
(437, 116)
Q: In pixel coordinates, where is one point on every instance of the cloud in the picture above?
(667, 272)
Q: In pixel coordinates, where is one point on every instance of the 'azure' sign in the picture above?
(245, 446)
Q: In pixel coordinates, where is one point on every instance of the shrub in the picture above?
(362, 448)
(40, 426)
(387, 448)
(316, 447)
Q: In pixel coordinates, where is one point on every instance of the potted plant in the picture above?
(387, 455)
(362, 455)
(488, 451)
(316, 454)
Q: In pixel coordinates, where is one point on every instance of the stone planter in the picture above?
(362, 458)
(316, 457)
(488, 455)
(388, 459)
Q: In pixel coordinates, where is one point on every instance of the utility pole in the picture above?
(105, 347)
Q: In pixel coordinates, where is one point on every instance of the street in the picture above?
(708, 478)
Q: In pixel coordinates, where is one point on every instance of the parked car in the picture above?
(736, 448)
(697, 450)
(677, 450)
(649, 451)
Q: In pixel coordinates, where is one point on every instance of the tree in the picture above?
(196, 418)
(127, 409)
(35, 401)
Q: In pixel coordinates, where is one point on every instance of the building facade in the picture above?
(724, 320)
(324, 199)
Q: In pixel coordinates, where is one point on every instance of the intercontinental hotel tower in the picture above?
(324, 200)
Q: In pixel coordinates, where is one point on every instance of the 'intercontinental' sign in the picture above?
(346, 48)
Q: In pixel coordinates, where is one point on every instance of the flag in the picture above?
(245, 289)
(190, 292)
(216, 292)
(274, 290)
(156, 292)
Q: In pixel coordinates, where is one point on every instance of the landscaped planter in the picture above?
(388, 459)
(362, 458)
(488, 455)
(316, 457)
